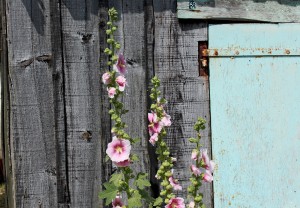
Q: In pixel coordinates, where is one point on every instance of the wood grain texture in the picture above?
(176, 64)
(80, 32)
(32, 133)
(241, 10)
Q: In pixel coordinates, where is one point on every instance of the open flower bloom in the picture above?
(174, 183)
(117, 203)
(111, 92)
(121, 81)
(118, 150)
(192, 204)
(177, 202)
(106, 78)
(208, 164)
(155, 126)
(124, 163)
(207, 176)
(196, 171)
(166, 120)
(120, 66)
(153, 139)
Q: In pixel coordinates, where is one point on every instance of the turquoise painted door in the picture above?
(255, 114)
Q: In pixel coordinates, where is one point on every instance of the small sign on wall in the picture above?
(240, 10)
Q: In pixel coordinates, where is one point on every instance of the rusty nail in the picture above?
(86, 135)
(287, 51)
(237, 52)
(216, 53)
(204, 62)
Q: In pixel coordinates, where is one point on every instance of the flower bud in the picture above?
(168, 174)
(163, 193)
(169, 187)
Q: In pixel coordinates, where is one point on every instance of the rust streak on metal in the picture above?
(216, 53)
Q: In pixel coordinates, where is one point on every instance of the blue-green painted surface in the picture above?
(255, 117)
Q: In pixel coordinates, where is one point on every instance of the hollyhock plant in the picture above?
(155, 126)
(174, 183)
(118, 150)
(106, 78)
(121, 81)
(124, 163)
(192, 204)
(111, 92)
(153, 139)
(177, 202)
(166, 120)
(194, 154)
(120, 66)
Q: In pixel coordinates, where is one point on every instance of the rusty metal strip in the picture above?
(234, 52)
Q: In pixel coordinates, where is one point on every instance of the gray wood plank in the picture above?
(131, 35)
(246, 10)
(82, 99)
(33, 145)
(176, 64)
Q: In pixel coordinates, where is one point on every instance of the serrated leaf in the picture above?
(134, 157)
(136, 140)
(135, 200)
(141, 181)
(145, 195)
(115, 178)
(109, 194)
(158, 202)
(193, 140)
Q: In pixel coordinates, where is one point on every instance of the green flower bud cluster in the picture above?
(112, 28)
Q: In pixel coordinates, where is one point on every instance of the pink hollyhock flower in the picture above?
(207, 176)
(194, 154)
(192, 204)
(117, 203)
(152, 118)
(196, 171)
(177, 202)
(124, 163)
(106, 78)
(174, 183)
(118, 150)
(166, 120)
(153, 139)
(208, 164)
(111, 92)
(120, 66)
(121, 81)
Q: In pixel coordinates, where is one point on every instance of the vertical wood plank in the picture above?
(80, 28)
(176, 64)
(33, 145)
(131, 35)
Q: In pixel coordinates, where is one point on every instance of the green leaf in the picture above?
(145, 195)
(115, 178)
(193, 140)
(141, 181)
(158, 202)
(134, 157)
(136, 140)
(135, 200)
(109, 194)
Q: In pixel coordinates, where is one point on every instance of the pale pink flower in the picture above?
(194, 154)
(174, 183)
(118, 150)
(117, 203)
(120, 66)
(166, 120)
(208, 164)
(121, 81)
(106, 78)
(124, 163)
(177, 202)
(111, 92)
(192, 204)
(152, 117)
(196, 171)
(207, 176)
(153, 139)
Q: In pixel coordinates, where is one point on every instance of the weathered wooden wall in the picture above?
(54, 74)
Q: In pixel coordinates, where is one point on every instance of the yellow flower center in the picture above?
(119, 149)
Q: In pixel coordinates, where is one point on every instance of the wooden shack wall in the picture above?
(54, 73)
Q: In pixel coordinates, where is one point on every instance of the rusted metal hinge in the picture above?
(203, 58)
